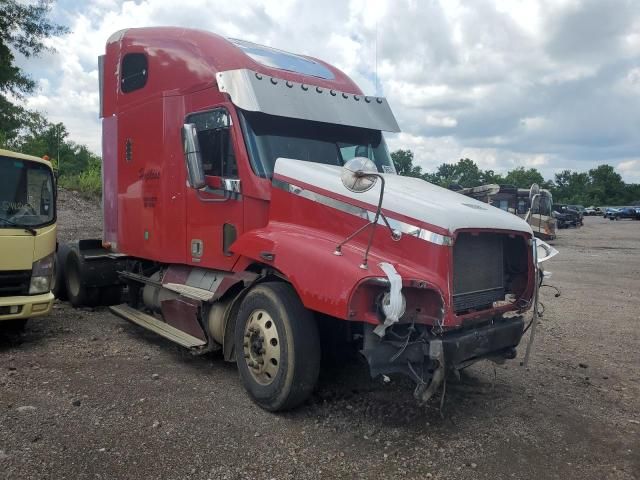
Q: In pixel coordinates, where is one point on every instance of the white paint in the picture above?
(411, 197)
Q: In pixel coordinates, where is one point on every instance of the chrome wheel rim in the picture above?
(261, 347)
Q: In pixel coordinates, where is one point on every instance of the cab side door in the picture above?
(214, 213)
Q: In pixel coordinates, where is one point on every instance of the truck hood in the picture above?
(404, 196)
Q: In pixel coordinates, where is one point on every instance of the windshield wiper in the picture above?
(32, 231)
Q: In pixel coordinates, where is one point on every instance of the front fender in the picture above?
(325, 282)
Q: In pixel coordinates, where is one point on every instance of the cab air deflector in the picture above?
(256, 92)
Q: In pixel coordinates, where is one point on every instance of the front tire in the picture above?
(277, 347)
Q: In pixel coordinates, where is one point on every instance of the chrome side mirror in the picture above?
(192, 156)
(359, 174)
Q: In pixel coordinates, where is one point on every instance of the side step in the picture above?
(158, 326)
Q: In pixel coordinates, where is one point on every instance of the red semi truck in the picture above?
(251, 206)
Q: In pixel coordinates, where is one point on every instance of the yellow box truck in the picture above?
(27, 238)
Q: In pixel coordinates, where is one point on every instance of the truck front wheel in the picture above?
(277, 347)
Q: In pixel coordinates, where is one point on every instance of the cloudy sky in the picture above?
(551, 84)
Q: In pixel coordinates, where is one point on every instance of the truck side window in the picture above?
(134, 72)
(216, 148)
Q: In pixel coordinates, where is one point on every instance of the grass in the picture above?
(88, 182)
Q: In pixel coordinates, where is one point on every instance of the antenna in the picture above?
(376, 56)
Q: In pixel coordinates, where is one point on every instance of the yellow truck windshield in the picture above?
(26, 194)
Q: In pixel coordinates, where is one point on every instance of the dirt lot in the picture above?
(84, 394)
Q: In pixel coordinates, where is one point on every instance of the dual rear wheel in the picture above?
(67, 283)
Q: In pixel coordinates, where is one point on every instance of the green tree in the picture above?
(489, 176)
(571, 187)
(403, 161)
(445, 175)
(465, 173)
(39, 137)
(632, 193)
(524, 178)
(606, 186)
(23, 29)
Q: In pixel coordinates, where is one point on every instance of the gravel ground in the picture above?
(84, 394)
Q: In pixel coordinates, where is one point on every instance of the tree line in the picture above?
(24, 28)
(601, 185)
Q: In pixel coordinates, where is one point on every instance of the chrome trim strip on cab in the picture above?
(405, 228)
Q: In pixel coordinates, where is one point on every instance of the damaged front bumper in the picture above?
(426, 358)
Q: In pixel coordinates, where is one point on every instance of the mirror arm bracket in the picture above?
(371, 224)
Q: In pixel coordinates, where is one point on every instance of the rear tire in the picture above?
(59, 287)
(274, 327)
(79, 295)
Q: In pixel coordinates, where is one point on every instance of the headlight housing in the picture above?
(41, 275)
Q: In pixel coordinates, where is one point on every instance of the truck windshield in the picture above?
(270, 137)
(26, 193)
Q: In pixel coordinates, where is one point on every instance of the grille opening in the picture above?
(14, 282)
(486, 267)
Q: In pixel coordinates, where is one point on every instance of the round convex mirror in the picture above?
(354, 176)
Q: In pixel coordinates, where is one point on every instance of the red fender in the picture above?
(325, 282)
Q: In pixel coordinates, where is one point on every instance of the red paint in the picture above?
(150, 213)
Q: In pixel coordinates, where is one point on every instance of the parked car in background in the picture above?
(626, 212)
(579, 209)
(590, 211)
(611, 212)
(566, 217)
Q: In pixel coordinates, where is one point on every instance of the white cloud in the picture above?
(440, 121)
(547, 83)
(630, 169)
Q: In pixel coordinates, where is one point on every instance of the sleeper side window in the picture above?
(134, 72)
(216, 147)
